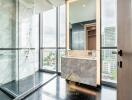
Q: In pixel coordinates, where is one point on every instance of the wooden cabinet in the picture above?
(90, 36)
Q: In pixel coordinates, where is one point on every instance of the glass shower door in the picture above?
(29, 75)
(19, 48)
(28, 46)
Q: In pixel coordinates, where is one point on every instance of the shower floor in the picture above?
(18, 88)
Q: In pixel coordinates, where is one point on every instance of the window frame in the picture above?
(58, 47)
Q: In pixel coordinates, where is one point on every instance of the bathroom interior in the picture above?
(41, 39)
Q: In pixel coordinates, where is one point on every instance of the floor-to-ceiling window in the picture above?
(49, 39)
(109, 41)
(54, 38)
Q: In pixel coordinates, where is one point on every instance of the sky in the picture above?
(109, 13)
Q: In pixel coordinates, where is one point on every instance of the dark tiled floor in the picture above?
(18, 87)
(4, 96)
(58, 89)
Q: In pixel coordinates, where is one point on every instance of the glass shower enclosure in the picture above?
(19, 48)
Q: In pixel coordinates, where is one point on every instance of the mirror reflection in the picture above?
(82, 25)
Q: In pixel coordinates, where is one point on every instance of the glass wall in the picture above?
(28, 39)
(109, 40)
(49, 39)
(20, 42)
(109, 63)
(54, 38)
(19, 48)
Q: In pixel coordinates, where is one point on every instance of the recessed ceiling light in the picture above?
(84, 5)
(70, 1)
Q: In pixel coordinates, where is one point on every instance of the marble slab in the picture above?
(79, 70)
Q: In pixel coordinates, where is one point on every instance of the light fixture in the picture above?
(83, 5)
(70, 1)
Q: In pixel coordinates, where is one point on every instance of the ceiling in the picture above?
(82, 10)
(40, 5)
(43, 5)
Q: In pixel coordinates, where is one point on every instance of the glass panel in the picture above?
(26, 63)
(49, 59)
(19, 34)
(49, 39)
(109, 39)
(109, 65)
(49, 28)
(29, 42)
(28, 39)
(62, 35)
(109, 23)
(29, 32)
(27, 52)
(61, 54)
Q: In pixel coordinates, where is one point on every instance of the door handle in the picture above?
(120, 64)
(120, 53)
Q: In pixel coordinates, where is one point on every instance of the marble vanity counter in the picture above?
(82, 70)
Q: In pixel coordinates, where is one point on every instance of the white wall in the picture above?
(7, 40)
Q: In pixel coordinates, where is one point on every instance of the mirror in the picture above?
(83, 33)
(82, 24)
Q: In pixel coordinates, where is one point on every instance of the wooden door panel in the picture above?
(124, 25)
